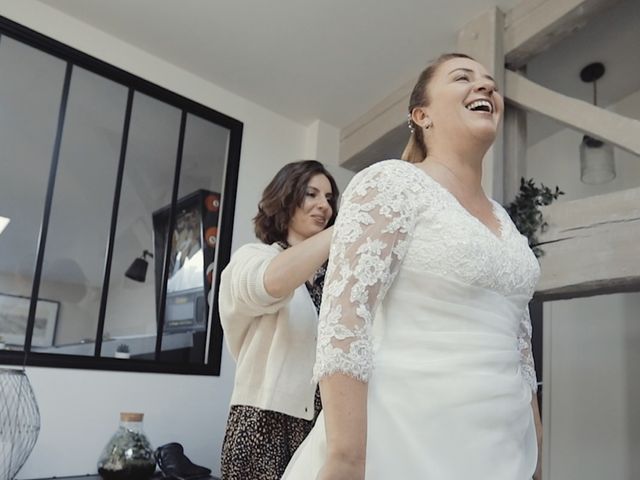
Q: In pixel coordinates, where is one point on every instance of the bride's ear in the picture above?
(420, 117)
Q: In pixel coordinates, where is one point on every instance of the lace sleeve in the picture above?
(526, 355)
(372, 231)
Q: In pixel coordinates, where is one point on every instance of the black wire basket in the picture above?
(19, 421)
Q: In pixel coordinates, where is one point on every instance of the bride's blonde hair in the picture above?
(416, 149)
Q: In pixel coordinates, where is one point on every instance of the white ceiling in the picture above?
(328, 59)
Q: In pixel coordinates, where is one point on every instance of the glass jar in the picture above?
(128, 455)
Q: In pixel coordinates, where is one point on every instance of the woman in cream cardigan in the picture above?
(269, 302)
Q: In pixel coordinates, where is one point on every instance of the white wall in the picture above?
(80, 408)
(591, 360)
(592, 381)
(323, 144)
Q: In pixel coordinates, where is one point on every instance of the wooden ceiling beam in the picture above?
(607, 126)
(533, 26)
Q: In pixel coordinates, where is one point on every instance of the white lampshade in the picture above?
(596, 161)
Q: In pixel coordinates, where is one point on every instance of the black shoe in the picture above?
(175, 464)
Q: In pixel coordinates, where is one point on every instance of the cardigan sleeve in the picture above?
(243, 297)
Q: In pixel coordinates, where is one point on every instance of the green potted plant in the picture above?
(122, 351)
(525, 210)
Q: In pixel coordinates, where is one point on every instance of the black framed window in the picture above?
(117, 200)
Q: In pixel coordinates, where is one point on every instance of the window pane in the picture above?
(194, 239)
(30, 90)
(147, 184)
(73, 268)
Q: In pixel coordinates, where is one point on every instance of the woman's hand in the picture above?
(538, 474)
(341, 469)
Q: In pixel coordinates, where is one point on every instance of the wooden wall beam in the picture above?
(591, 247)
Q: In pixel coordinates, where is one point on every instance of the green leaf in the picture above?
(525, 213)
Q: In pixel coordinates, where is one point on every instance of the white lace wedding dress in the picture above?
(428, 306)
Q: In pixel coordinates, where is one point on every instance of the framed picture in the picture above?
(14, 313)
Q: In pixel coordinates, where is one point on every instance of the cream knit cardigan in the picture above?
(273, 340)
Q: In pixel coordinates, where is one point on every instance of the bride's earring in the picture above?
(428, 125)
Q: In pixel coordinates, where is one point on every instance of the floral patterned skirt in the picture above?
(258, 444)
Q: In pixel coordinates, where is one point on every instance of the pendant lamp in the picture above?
(597, 164)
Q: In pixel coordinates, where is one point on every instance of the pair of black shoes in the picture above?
(175, 464)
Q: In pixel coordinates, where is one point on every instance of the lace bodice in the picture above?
(394, 215)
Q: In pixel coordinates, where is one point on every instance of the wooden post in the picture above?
(515, 151)
(482, 39)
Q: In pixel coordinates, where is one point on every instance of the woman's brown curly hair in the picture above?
(284, 194)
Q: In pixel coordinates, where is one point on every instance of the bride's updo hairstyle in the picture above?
(416, 149)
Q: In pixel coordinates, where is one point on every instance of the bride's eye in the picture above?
(462, 77)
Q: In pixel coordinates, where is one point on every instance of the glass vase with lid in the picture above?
(128, 455)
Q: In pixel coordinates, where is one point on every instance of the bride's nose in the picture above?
(485, 85)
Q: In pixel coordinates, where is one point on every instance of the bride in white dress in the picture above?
(424, 342)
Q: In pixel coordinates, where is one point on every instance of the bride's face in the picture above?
(464, 103)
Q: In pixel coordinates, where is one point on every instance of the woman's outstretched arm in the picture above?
(344, 402)
(293, 266)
